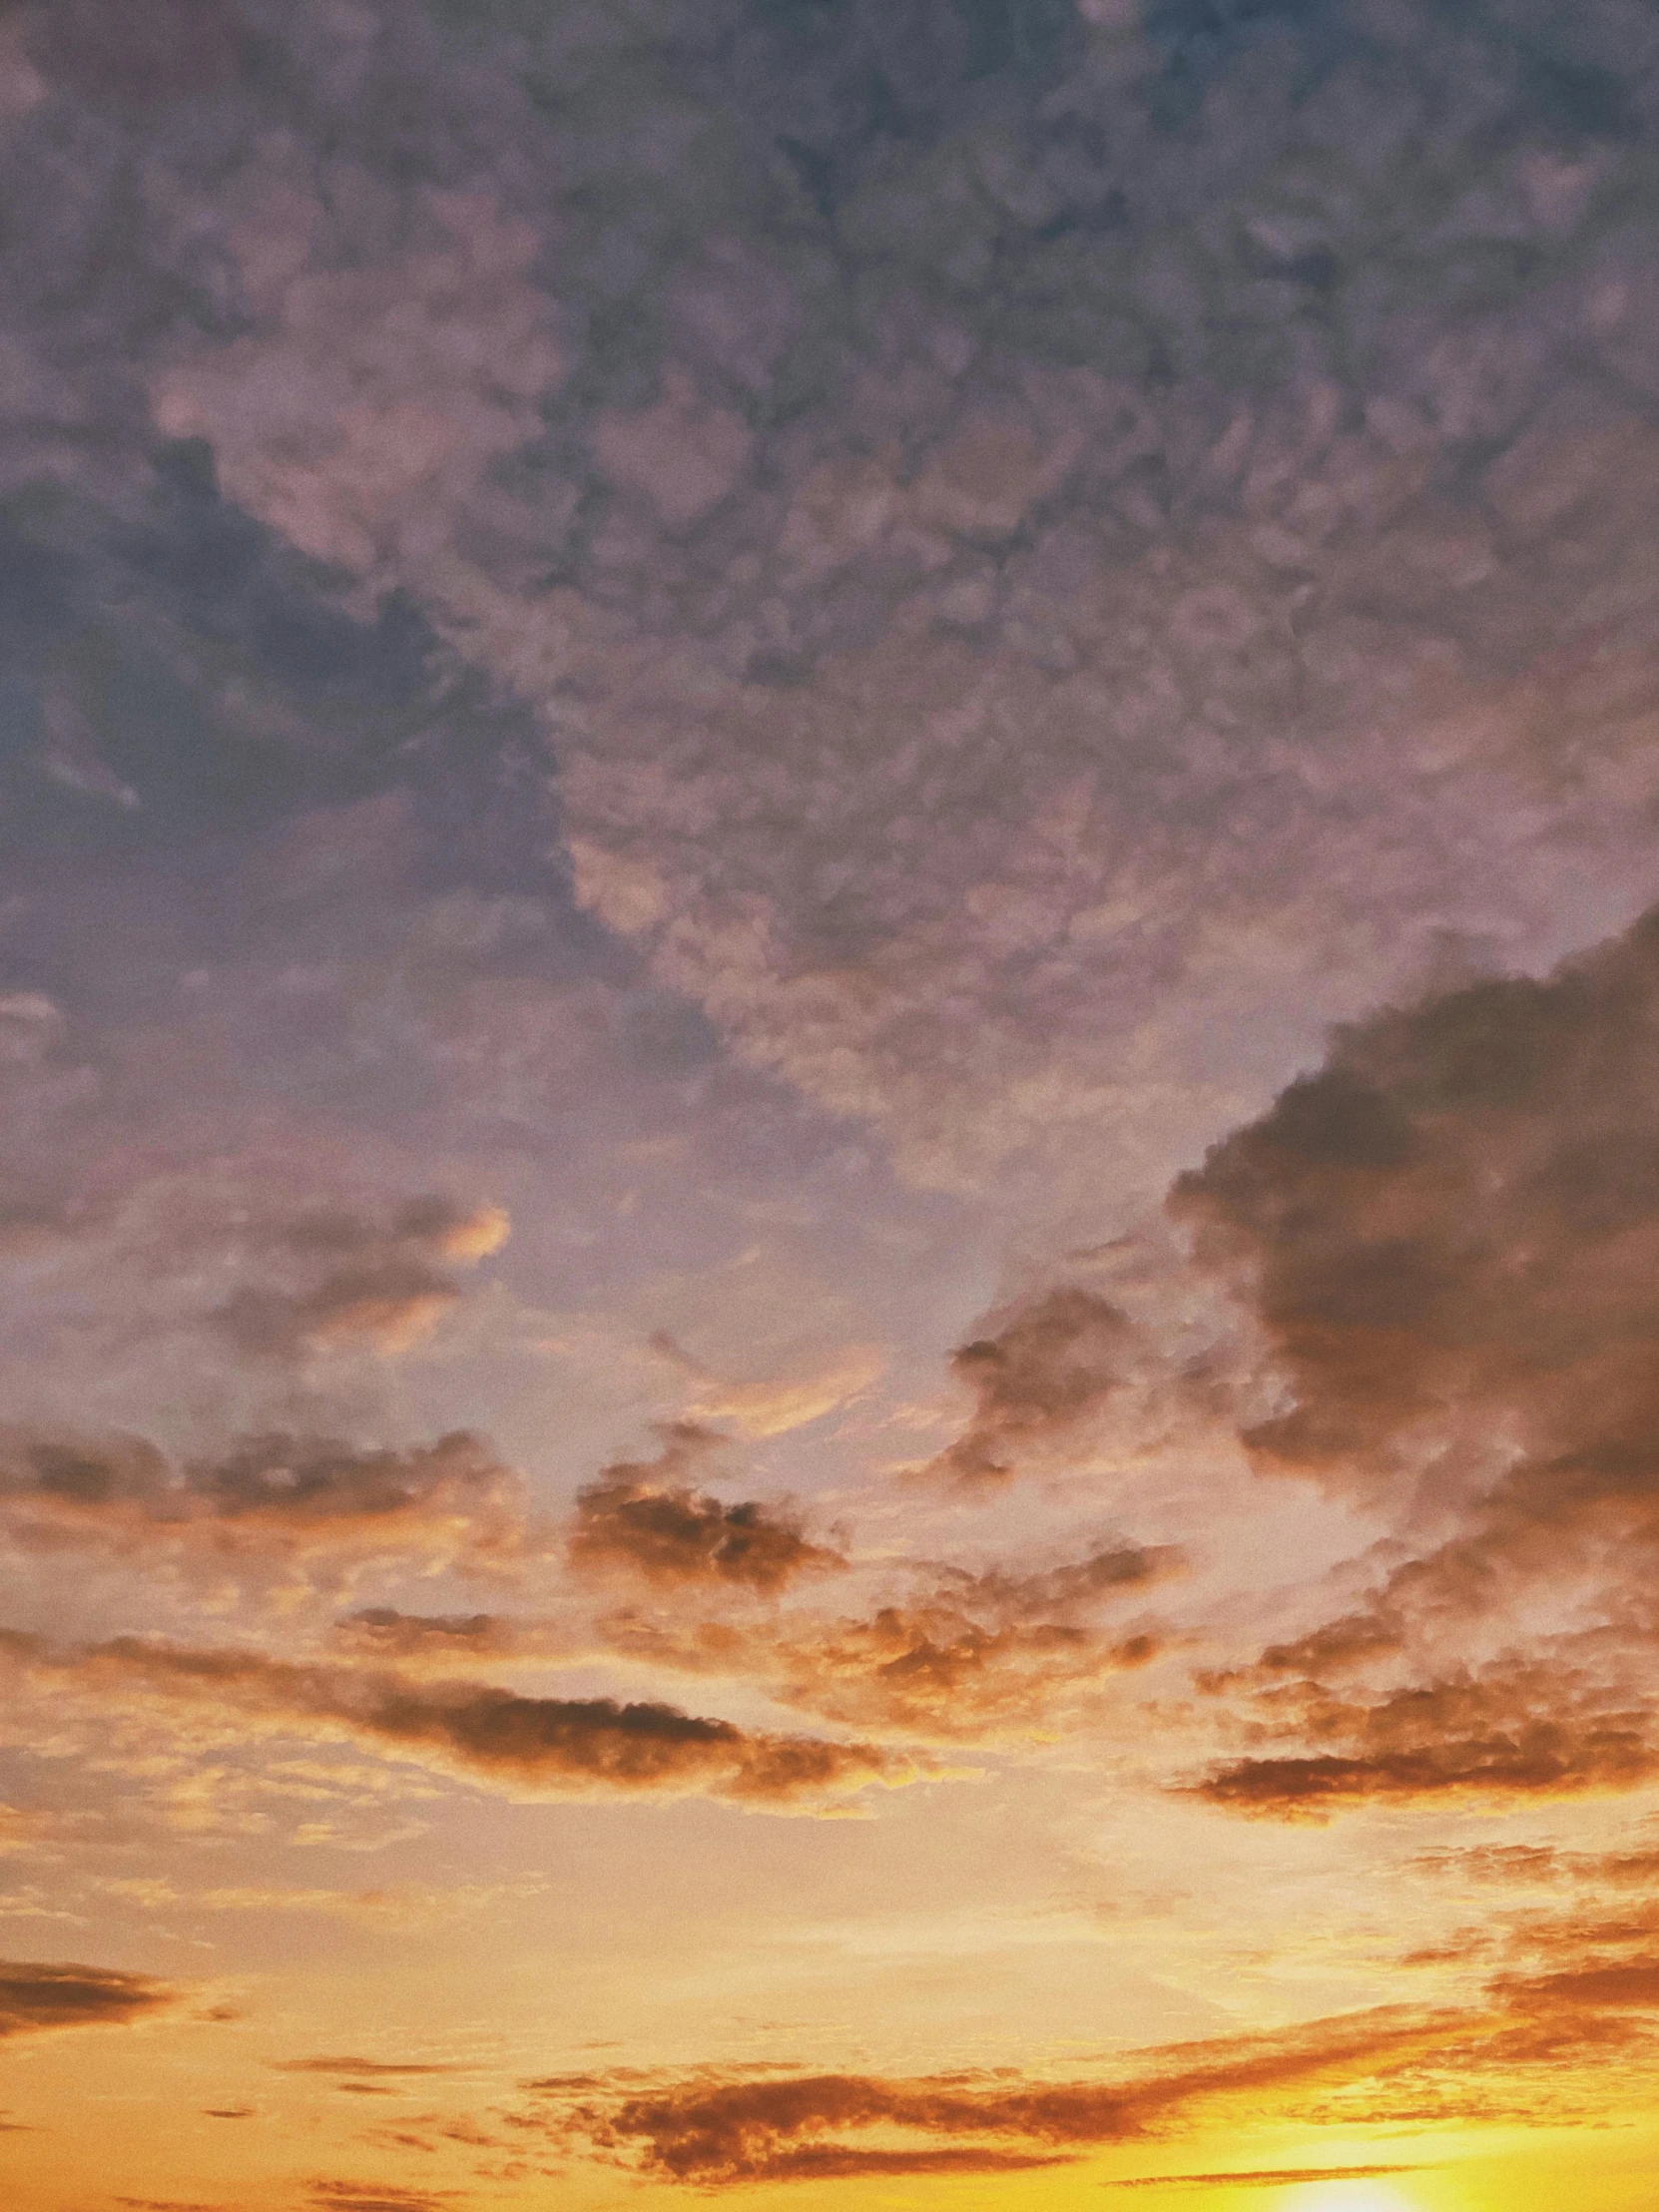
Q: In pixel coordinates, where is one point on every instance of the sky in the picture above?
(829, 1038)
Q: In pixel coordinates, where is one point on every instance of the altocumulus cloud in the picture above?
(928, 650)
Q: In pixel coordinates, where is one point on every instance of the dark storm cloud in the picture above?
(279, 1496)
(1058, 1357)
(640, 1519)
(35, 1999)
(536, 1747)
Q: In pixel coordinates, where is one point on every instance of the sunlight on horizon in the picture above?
(1347, 2196)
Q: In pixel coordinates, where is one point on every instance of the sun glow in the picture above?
(1347, 2196)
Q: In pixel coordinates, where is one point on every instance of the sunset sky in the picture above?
(829, 1038)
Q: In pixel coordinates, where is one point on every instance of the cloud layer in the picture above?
(281, 1498)
(526, 1746)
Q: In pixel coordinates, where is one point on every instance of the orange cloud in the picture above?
(970, 1656)
(638, 1520)
(540, 1746)
(37, 2000)
(719, 2129)
(279, 1496)
(1532, 2046)
(1507, 1733)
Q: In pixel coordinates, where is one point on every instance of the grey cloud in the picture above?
(1447, 1227)
(1059, 1356)
(106, 54)
(381, 1287)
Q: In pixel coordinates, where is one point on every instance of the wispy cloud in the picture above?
(538, 1747)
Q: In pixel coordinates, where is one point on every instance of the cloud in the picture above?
(1058, 1357)
(383, 2196)
(525, 1746)
(969, 1657)
(780, 1403)
(382, 1633)
(1508, 1732)
(1541, 2047)
(36, 1999)
(168, 2204)
(108, 54)
(380, 1290)
(718, 2129)
(1543, 1862)
(375, 399)
(964, 1657)
(274, 1497)
(637, 1520)
(348, 2067)
(1445, 1236)
(1445, 1243)
(1293, 547)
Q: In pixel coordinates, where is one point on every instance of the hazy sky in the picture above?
(829, 1219)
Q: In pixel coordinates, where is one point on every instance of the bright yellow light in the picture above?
(1347, 2196)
